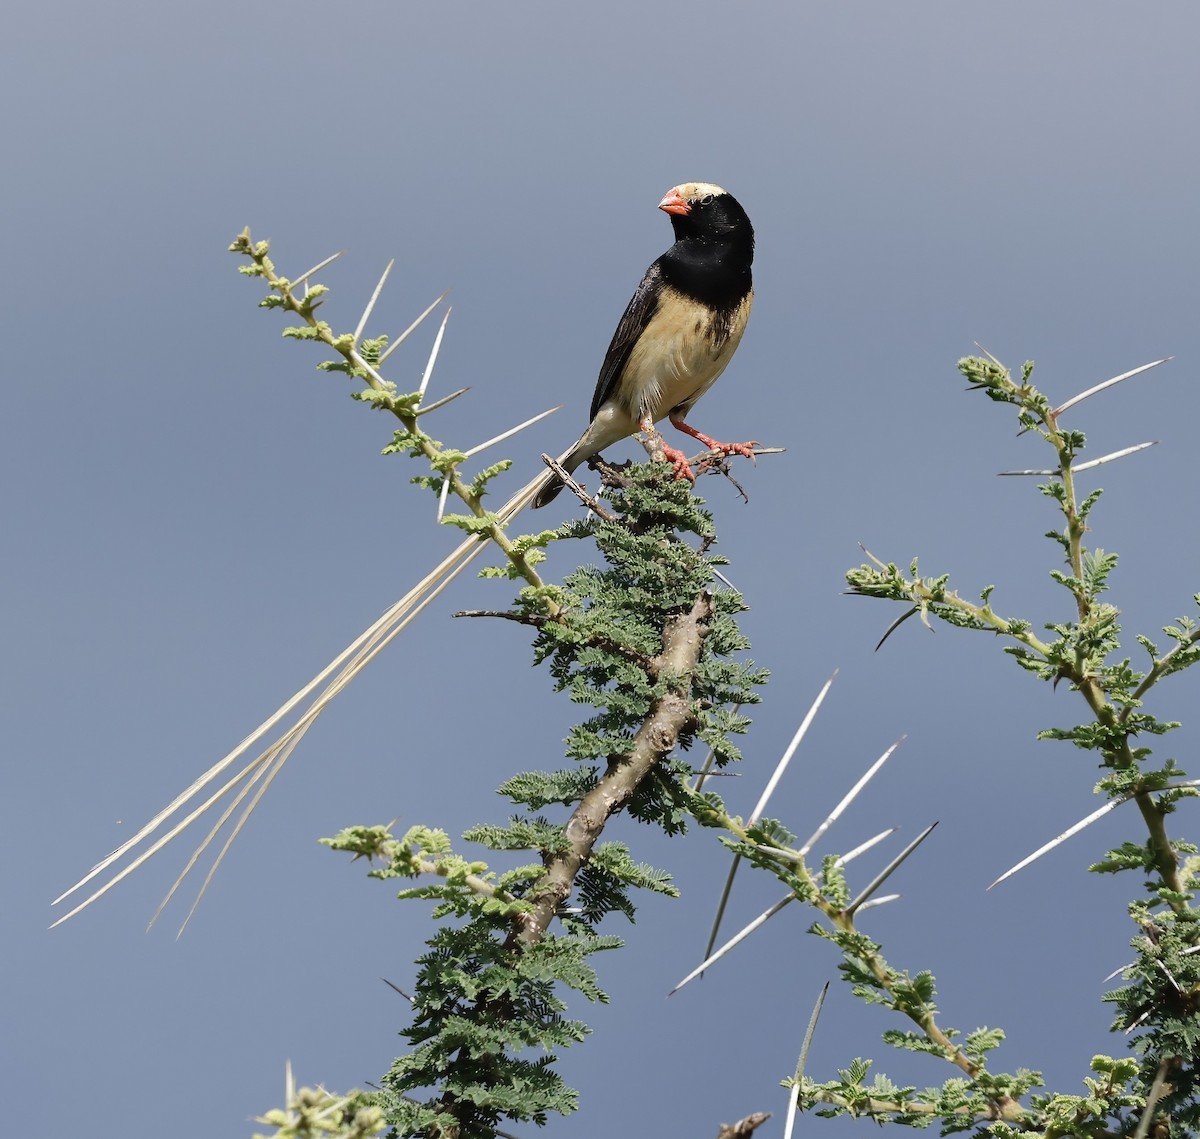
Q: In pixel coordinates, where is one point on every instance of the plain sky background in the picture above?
(198, 521)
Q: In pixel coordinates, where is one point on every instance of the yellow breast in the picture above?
(680, 355)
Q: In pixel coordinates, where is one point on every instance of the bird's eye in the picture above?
(705, 200)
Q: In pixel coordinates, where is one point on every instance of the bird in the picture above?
(678, 333)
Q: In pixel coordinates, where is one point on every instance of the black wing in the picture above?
(638, 314)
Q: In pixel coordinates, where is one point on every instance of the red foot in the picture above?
(723, 449)
(677, 459)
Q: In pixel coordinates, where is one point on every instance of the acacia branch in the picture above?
(1009, 1110)
(668, 717)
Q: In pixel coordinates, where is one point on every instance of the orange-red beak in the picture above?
(674, 203)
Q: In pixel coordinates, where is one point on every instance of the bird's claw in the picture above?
(717, 452)
(746, 450)
(679, 461)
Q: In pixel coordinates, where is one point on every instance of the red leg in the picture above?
(746, 449)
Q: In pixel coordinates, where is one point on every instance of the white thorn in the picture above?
(878, 902)
(442, 402)
(410, 329)
(511, 431)
(1072, 830)
(1108, 384)
(1114, 456)
(437, 344)
(786, 758)
(794, 1096)
(1111, 457)
(738, 937)
(362, 323)
(850, 856)
(889, 870)
(849, 797)
(317, 268)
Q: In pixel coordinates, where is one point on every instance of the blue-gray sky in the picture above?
(198, 520)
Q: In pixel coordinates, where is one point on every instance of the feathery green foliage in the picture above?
(1161, 1002)
(487, 992)
(650, 647)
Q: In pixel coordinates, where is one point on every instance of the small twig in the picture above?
(611, 474)
(715, 463)
(592, 503)
(705, 457)
(727, 470)
(597, 640)
(744, 1127)
(536, 620)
